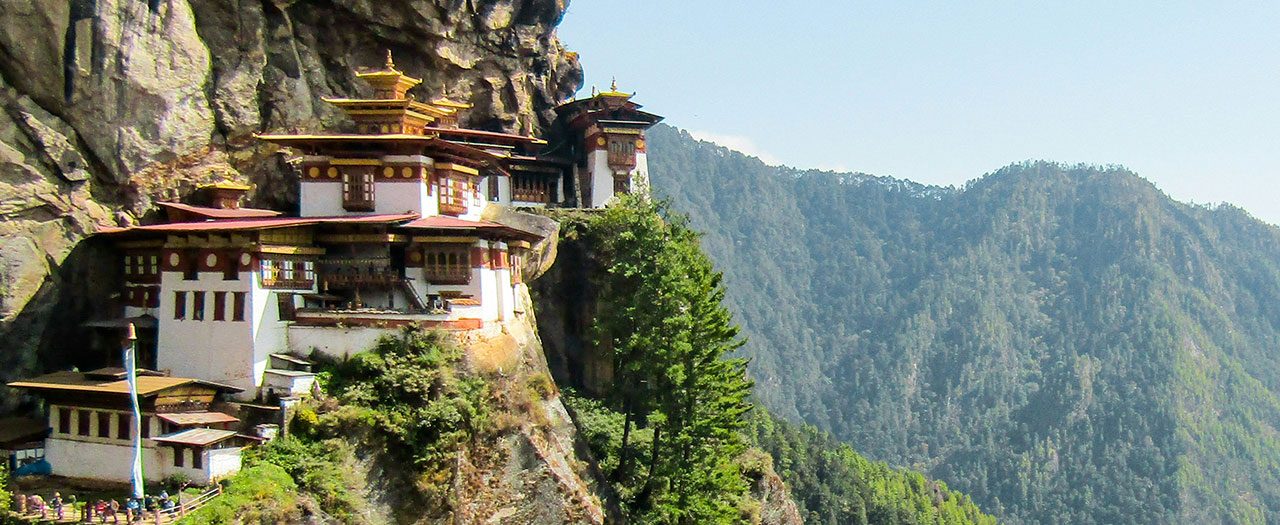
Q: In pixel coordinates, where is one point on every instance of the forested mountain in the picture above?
(1065, 344)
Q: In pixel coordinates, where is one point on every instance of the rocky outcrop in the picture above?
(109, 105)
(540, 472)
(776, 505)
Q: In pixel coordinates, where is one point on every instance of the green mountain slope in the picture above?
(1064, 344)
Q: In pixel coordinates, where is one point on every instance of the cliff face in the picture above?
(109, 105)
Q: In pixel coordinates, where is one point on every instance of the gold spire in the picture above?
(613, 84)
(389, 83)
(613, 91)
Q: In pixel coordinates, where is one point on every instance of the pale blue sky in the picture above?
(1186, 94)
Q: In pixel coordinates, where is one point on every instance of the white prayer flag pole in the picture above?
(131, 373)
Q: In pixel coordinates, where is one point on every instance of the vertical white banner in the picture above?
(131, 374)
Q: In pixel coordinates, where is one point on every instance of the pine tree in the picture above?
(671, 339)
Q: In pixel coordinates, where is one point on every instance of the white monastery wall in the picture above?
(397, 197)
(221, 351)
(219, 463)
(321, 199)
(601, 177)
(270, 334)
(78, 458)
(334, 342)
(640, 175)
(504, 190)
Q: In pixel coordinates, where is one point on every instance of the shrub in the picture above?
(263, 493)
(317, 467)
(542, 385)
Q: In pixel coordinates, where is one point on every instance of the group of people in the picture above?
(36, 504)
(134, 509)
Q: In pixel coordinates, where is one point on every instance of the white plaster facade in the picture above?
(602, 175)
(108, 458)
(220, 351)
(226, 351)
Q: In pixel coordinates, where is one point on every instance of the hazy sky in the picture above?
(1185, 94)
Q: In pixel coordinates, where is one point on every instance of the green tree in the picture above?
(671, 340)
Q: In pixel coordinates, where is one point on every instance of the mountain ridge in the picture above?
(1061, 342)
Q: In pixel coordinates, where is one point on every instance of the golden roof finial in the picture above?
(593, 91)
(613, 84)
(391, 65)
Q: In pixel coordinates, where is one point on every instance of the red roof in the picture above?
(221, 213)
(445, 222)
(385, 218)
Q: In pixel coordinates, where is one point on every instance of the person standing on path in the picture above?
(56, 503)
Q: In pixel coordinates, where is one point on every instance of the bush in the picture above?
(318, 468)
(542, 385)
(263, 493)
(413, 396)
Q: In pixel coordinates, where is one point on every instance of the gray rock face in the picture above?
(109, 105)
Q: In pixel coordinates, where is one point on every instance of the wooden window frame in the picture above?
(622, 151)
(82, 422)
(293, 274)
(197, 306)
(357, 189)
(178, 452)
(495, 190)
(122, 426)
(104, 424)
(237, 306)
(529, 187)
(64, 420)
(452, 193)
(447, 264)
(146, 426)
(197, 458)
(286, 309)
(179, 305)
(219, 306)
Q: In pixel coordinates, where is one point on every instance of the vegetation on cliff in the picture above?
(672, 378)
(1065, 344)
(404, 406)
(673, 428)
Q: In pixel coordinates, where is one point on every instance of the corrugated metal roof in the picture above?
(198, 418)
(288, 373)
(80, 382)
(197, 437)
